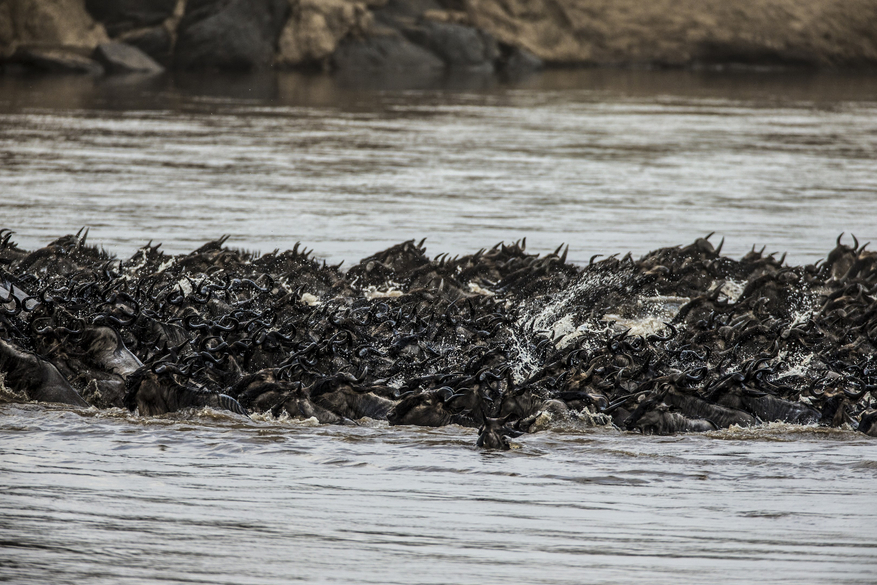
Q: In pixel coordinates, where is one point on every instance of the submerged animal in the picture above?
(493, 433)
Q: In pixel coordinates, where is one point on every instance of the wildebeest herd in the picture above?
(681, 340)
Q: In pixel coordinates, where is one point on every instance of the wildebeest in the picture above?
(493, 433)
(297, 403)
(260, 391)
(868, 422)
(428, 409)
(105, 348)
(659, 420)
(153, 391)
(693, 407)
(526, 406)
(764, 406)
(35, 377)
(342, 395)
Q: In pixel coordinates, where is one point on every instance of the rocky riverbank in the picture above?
(117, 36)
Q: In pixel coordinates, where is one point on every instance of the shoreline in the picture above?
(94, 37)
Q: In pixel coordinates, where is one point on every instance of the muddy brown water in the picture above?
(607, 161)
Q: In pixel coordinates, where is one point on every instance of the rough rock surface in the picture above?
(390, 53)
(49, 24)
(118, 57)
(229, 34)
(685, 32)
(315, 28)
(459, 46)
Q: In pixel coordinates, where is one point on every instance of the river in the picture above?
(607, 161)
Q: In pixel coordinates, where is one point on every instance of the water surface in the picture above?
(112, 498)
(606, 161)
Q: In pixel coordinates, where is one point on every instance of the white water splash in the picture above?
(309, 299)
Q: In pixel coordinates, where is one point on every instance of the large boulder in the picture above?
(229, 34)
(386, 53)
(459, 46)
(515, 61)
(120, 16)
(55, 23)
(317, 26)
(118, 58)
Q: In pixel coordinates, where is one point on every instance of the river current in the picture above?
(607, 161)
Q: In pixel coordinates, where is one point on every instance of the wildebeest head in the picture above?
(493, 433)
(296, 402)
(692, 406)
(868, 422)
(105, 348)
(646, 404)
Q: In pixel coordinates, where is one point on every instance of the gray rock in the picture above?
(460, 47)
(55, 60)
(516, 60)
(384, 53)
(118, 57)
(155, 41)
(230, 34)
(120, 16)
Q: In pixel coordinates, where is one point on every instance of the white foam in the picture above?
(185, 285)
(372, 292)
(165, 265)
(480, 291)
(309, 299)
(284, 419)
(732, 290)
(641, 326)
